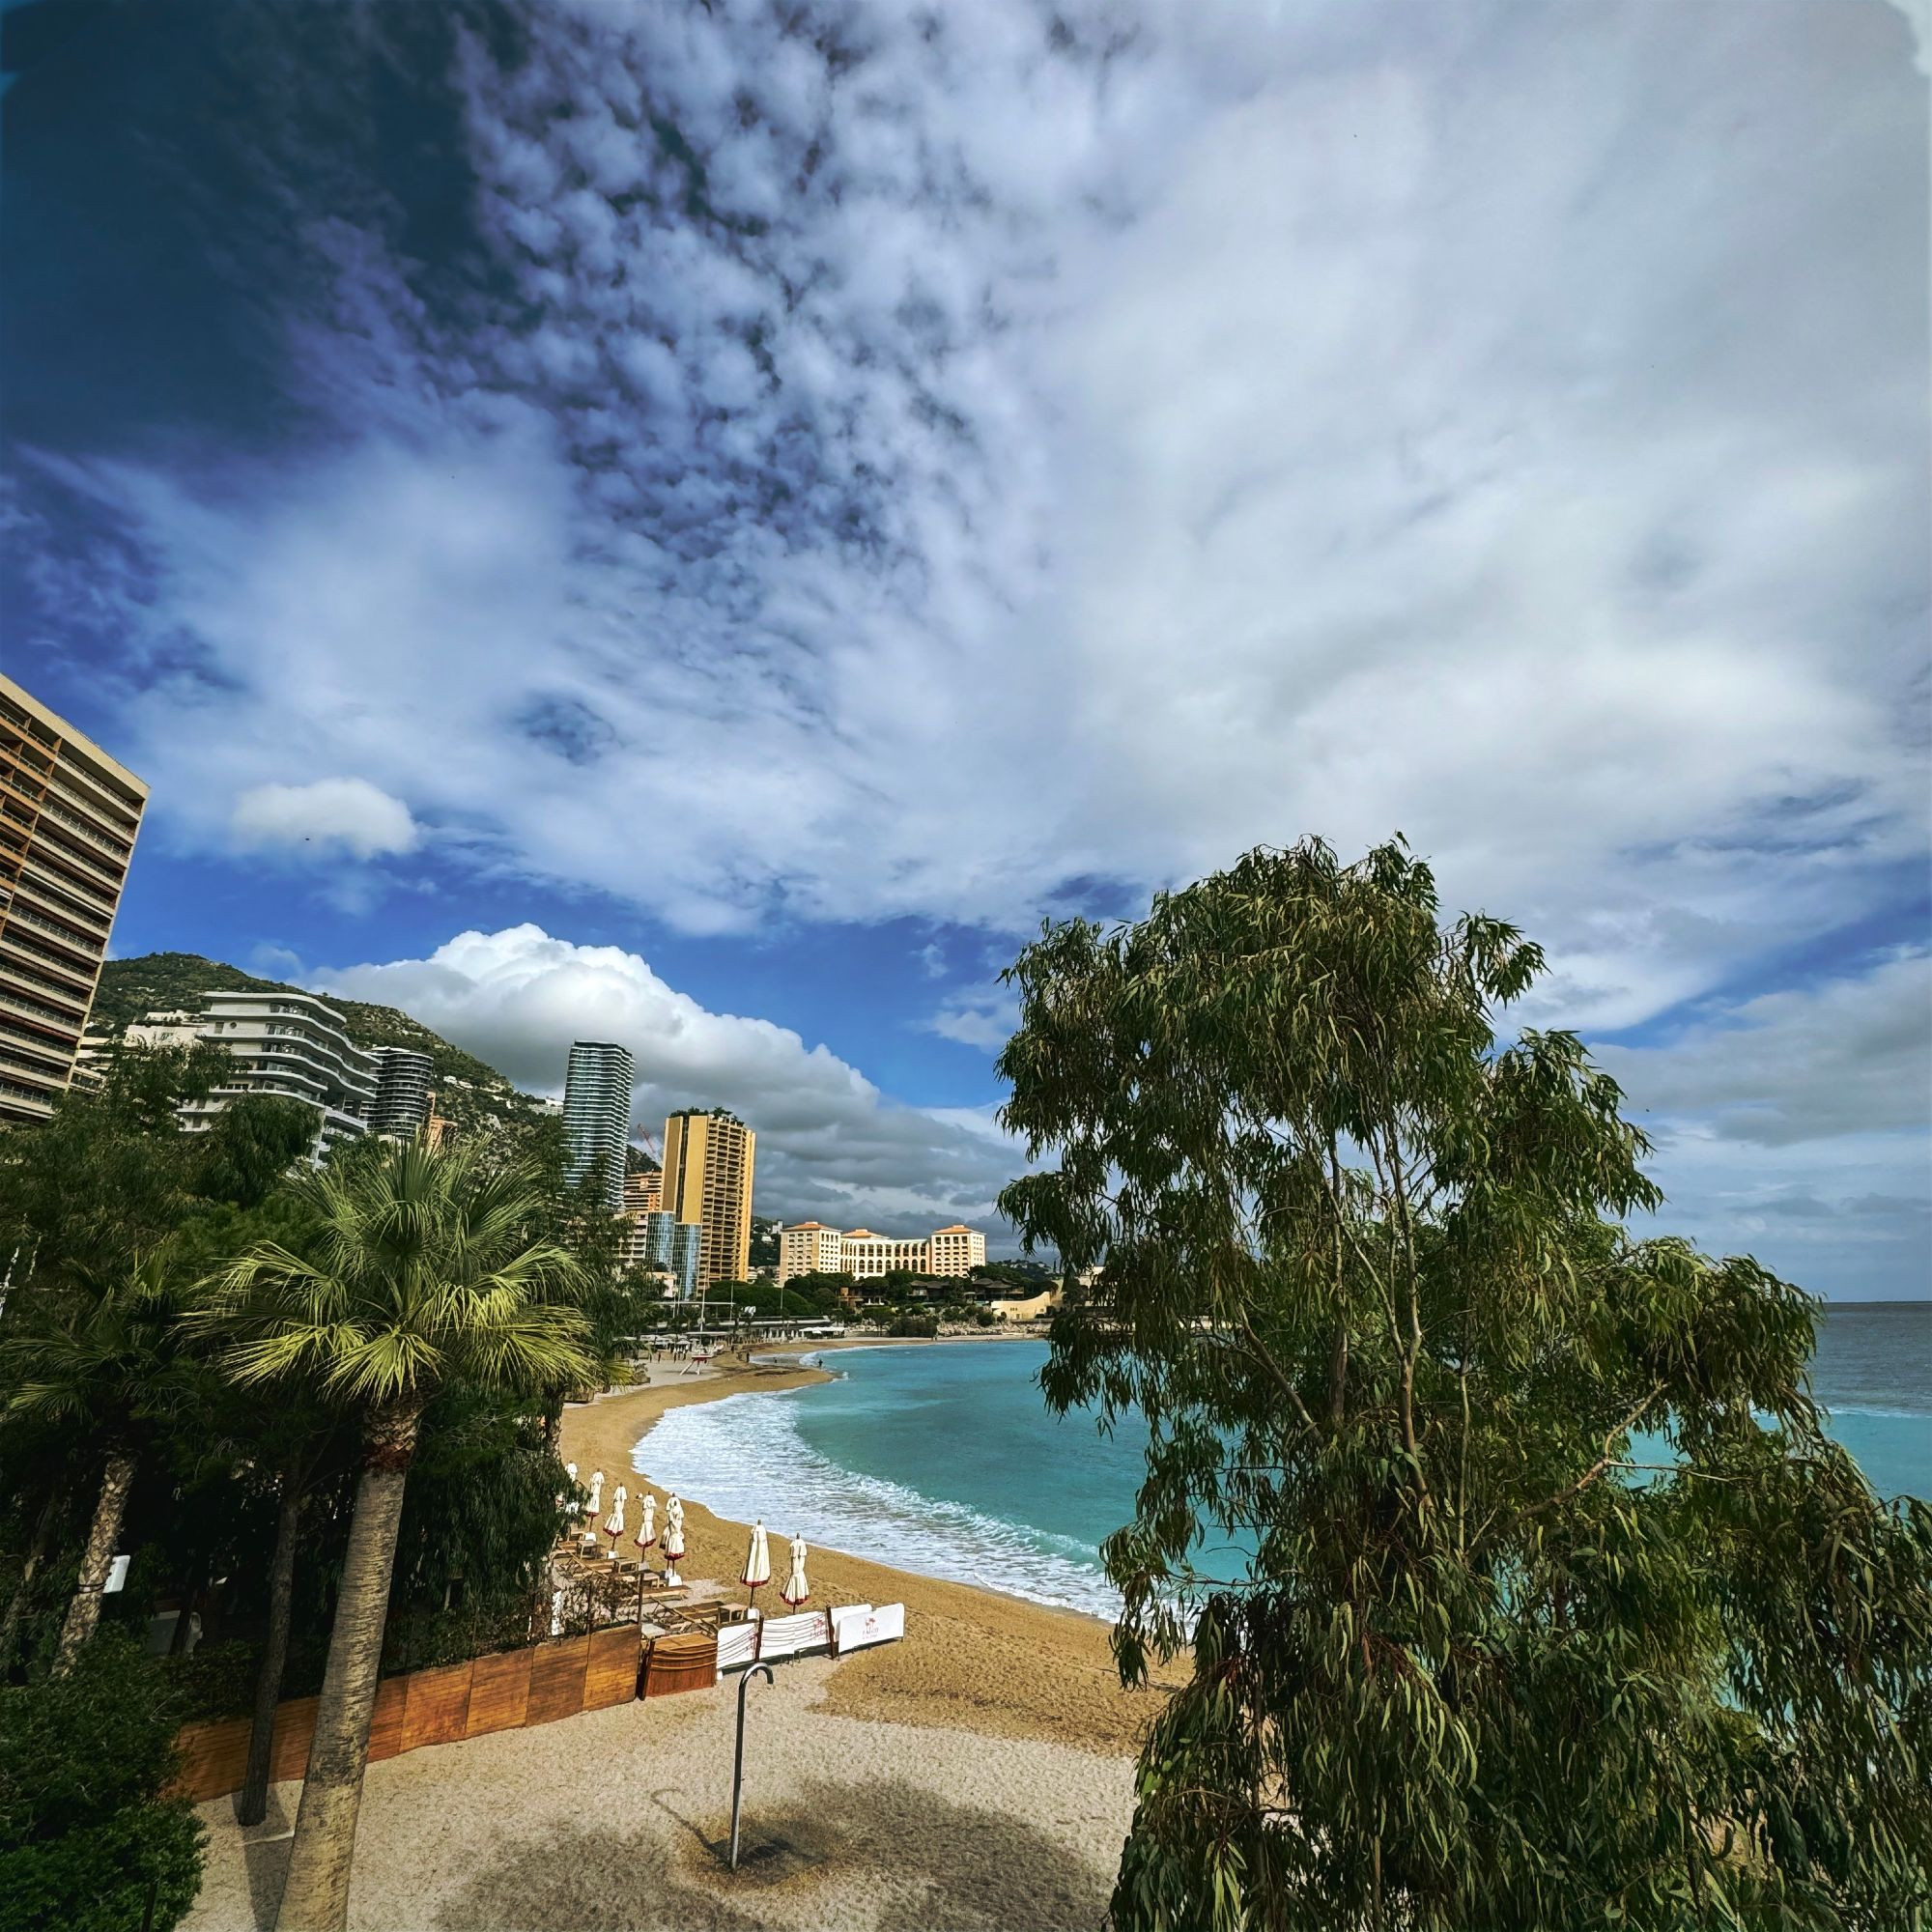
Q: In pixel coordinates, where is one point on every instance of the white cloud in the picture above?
(975, 461)
(1796, 1125)
(351, 814)
(977, 1019)
(1851, 1055)
(831, 1146)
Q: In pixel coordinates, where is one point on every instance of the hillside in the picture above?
(466, 1091)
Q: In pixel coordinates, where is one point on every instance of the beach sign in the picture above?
(807, 1633)
(857, 1629)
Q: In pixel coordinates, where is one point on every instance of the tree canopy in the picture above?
(1525, 1586)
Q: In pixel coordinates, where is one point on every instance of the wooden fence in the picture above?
(515, 1688)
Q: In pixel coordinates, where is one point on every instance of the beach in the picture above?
(978, 1774)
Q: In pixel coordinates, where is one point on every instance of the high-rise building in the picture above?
(655, 1241)
(597, 1116)
(643, 1193)
(68, 814)
(707, 1179)
(290, 1044)
(403, 1092)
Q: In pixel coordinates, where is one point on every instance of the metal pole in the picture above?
(764, 1671)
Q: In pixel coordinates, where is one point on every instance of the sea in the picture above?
(944, 1460)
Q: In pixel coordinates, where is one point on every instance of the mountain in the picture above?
(467, 1091)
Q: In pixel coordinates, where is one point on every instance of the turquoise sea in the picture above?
(945, 1460)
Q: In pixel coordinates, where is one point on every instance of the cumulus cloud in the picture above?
(1005, 459)
(350, 813)
(950, 463)
(831, 1146)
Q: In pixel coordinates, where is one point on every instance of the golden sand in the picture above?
(972, 1659)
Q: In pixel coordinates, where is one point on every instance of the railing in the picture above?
(119, 848)
(9, 998)
(86, 804)
(7, 937)
(51, 898)
(86, 946)
(34, 863)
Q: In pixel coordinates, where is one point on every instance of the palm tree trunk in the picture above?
(253, 1804)
(17, 1605)
(316, 1896)
(84, 1613)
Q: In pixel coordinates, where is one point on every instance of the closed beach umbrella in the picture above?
(647, 1520)
(796, 1589)
(757, 1561)
(596, 1493)
(673, 1538)
(614, 1524)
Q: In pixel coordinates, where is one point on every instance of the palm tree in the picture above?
(103, 1358)
(422, 1270)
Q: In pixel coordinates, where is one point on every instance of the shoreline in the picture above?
(974, 1659)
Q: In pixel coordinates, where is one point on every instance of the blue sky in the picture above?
(702, 525)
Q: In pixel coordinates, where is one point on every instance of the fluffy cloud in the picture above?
(949, 464)
(1007, 459)
(830, 1145)
(349, 814)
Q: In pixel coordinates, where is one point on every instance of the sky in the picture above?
(703, 524)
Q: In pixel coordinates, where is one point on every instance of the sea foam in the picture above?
(743, 1457)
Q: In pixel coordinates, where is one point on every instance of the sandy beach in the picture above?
(977, 1774)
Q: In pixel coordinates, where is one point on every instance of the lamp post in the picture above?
(764, 1671)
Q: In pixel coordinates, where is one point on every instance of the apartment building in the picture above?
(69, 816)
(290, 1044)
(643, 1193)
(955, 1250)
(597, 1116)
(810, 1247)
(708, 1161)
(404, 1092)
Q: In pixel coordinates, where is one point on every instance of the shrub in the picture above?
(84, 1829)
(925, 1326)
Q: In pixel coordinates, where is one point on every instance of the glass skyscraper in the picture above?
(597, 1116)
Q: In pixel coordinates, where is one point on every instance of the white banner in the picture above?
(795, 1634)
(855, 1628)
(737, 1646)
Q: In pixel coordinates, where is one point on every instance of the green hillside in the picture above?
(466, 1091)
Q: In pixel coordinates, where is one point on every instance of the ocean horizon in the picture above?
(945, 1460)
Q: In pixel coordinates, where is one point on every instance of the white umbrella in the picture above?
(757, 1561)
(596, 1491)
(647, 1520)
(614, 1524)
(674, 1539)
(796, 1589)
(568, 1501)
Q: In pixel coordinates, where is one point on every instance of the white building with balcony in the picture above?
(290, 1045)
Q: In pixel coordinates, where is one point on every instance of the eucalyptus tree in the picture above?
(100, 1354)
(420, 1270)
(1523, 1586)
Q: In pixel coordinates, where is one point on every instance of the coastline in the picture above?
(974, 1659)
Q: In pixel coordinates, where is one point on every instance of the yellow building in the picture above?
(956, 1250)
(809, 1249)
(643, 1193)
(707, 1179)
(68, 814)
